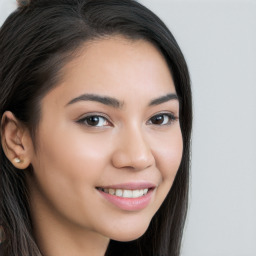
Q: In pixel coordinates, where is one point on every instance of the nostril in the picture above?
(133, 151)
(132, 161)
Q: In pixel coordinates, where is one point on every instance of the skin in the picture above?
(69, 214)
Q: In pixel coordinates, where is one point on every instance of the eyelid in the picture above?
(94, 114)
(81, 119)
(171, 115)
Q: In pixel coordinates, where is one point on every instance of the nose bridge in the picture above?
(133, 149)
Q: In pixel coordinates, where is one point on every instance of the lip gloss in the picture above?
(129, 204)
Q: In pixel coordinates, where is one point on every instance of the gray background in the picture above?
(218, 39)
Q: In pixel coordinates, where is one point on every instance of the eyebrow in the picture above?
(115, 103)
(109, 101)
(163, 99)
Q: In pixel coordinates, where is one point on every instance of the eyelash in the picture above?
(85, 120)
(171, 118)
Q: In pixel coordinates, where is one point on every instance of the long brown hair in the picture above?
(35, 42)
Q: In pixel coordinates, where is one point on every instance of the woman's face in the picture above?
(109, 141)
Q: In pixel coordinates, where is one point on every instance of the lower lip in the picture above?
(129, 204)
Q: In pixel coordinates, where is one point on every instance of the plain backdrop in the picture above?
(218, 39)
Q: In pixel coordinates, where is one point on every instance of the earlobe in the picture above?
(15, 141)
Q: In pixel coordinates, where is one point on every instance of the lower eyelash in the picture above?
(170, 116)
(84, 120)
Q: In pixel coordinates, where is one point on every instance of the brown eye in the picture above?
(94, 121)
(157, 119)
(162, 119)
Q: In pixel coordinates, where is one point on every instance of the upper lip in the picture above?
(130, 185)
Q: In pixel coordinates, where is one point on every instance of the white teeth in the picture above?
(135, 193)
(111, 191)
(126, 192)
(119, 192)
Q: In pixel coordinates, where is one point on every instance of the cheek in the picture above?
(169, 155)
(67, 168)
(69, 162)
(72, 152)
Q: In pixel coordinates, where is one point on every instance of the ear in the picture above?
(16, 141)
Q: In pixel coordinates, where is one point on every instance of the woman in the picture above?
(96, 119)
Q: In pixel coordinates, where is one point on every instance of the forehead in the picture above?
(118, 67)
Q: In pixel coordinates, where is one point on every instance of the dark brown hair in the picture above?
(36, 41)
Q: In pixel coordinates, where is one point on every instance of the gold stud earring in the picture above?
(17, 160)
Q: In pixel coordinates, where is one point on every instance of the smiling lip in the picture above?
(129, 204)
(132, 185)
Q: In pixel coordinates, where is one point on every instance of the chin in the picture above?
(129, 233)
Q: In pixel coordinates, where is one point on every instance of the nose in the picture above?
(133, 151)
